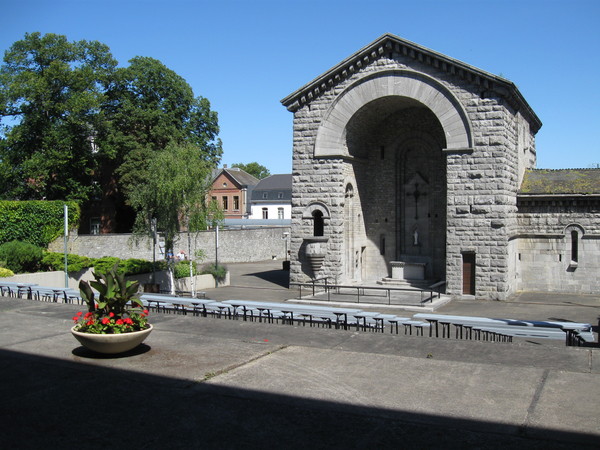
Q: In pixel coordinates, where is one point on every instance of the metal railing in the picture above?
(429, 293)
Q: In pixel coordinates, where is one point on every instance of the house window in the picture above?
(236, 203)
(95, 225)
(265, 213)
(280, 213)
(280, 195)
(225, 203)
(214, 199)
(265, 195)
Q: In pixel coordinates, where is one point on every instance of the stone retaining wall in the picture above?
(235, 246)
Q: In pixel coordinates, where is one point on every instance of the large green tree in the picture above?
(148, 107)
(51, 94)
(74, 126)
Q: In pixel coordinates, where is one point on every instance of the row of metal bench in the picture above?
(42, 293)
(465, 327)
(571, 332)
(287, 313)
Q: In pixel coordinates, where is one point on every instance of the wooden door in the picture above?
(468, 273)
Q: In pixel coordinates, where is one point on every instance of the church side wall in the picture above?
(544, 247)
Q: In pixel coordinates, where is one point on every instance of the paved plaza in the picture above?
(218, 383)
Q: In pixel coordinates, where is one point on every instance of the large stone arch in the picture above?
(330, 140)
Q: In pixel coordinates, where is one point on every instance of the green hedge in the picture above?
(75, 263)
(36, 222)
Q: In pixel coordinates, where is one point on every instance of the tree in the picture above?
(51, 92)
(74, 126)
(175, 194)
(257, 170)
(148, 107)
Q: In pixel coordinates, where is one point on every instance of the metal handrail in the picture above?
(360, 290)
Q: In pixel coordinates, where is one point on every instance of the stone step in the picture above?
(420, 284)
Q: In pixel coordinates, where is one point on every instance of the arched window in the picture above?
(574, 246)
(573, 233)
(318, 225)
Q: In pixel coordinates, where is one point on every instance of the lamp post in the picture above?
(216, 254)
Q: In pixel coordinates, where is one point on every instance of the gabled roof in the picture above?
(562, 182)
(243, 179)
(388, 44)
(275, 182)
(272, 186)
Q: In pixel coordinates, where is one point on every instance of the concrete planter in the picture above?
(111, 343)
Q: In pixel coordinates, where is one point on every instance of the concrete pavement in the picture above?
(218, 383)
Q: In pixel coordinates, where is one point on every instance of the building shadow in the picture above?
(279, 278)
(53, 403)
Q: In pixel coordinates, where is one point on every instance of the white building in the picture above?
(272, 198)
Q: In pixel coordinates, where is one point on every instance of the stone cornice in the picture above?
(390, 44)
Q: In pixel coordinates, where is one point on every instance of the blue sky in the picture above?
(245, 56)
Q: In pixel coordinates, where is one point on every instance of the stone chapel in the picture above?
(410, 164)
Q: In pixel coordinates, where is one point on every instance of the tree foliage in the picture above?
(255, 169)
(174, 195)
(73, 125)
(36, 222)
(52, 90)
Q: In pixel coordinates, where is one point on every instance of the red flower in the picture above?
(79, 313)
(90, 322)
(105, 321)
(146, 312)
(128, 321)
(119, 322)
(88, 315)
(75, 319)
(111, 314)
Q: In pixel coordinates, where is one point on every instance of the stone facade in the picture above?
(406, 154)
(557, 247)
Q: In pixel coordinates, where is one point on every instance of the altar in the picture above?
(402, 270)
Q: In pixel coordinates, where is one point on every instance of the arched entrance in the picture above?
(399, 170)
(392, 130)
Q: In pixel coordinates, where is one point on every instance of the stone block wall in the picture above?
(544, 247)
(235, 245)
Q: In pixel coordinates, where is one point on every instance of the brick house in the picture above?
(232, 189)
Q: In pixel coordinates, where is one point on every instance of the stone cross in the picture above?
(416, 194)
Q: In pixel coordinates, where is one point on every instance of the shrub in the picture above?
(182, 269)
(75, 263)
(135, 266)
(219, 271)
(6, 272)
(21, 256)
(106, 263)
